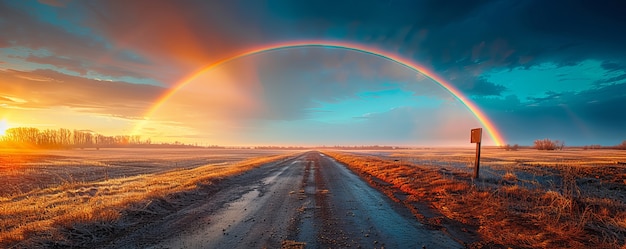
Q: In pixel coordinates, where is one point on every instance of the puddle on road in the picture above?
(218, 228)
(234, 217)
(272, 178)
(237, 209)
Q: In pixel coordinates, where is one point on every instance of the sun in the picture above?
(3, 127)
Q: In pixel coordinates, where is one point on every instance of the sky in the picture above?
(173, 70)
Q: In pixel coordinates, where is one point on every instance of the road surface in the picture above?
(309, 201)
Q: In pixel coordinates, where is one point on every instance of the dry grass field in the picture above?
(523, 199)
(25, 170)
(52, 195)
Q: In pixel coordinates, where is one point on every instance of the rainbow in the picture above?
(478, 113)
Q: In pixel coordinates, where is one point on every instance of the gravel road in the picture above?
(309, 201)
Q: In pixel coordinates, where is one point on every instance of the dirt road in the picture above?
(309, 201)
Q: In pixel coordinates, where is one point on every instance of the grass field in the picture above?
(50, 196)
(24, 171)
(523, 199)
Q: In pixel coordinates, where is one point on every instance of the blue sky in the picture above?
(538, 69)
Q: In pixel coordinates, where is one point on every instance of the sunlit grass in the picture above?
(48, 212)
(585, 208)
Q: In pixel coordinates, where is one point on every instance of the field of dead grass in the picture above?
(54, 207)
(23, 171)
(524, 199)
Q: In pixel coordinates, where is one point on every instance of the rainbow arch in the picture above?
(491, 129)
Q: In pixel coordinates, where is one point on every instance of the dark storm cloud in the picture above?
(452, 37)
(612, 66)
(468, 37)
(480, 87)
(590, 28)
(611, 80)
(551, 97)
(511, 34)
(595, 114)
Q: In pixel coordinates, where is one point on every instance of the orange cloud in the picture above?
(43, 89)
(177, 38)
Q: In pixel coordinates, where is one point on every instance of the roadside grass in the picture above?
(23, 171)
(52, 214)
(585, 209)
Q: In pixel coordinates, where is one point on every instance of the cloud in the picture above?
(56, 3)
(47, 88)
(86, 67)
(612, 80)
(78, 47)
(478, 86)
(463, 38)
(177, 38)
(550, 97)
(60, 62)
(577, 117)
(296, 81)
(612, 66)
(463, 41)
(6, 100)
(24, 29)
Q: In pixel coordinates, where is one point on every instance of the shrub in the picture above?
(509, 147)
(547, 144)
(510, 176)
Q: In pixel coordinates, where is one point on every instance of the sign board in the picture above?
(476, 135)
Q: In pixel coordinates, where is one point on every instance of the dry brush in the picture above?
(500, 212)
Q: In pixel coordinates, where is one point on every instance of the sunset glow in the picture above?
(3, 127)
(301, 73)
(312, 124)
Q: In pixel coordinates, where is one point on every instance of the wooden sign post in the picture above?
(476, 137)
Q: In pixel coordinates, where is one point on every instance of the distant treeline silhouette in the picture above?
(28, 137)
(64, 138)
(361, 147)
(547, 144)
(621, 146)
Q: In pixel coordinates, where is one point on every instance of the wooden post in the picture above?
(476, 137)
(477, 160)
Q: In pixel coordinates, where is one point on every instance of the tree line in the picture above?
(547, 144)
(65, 138)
